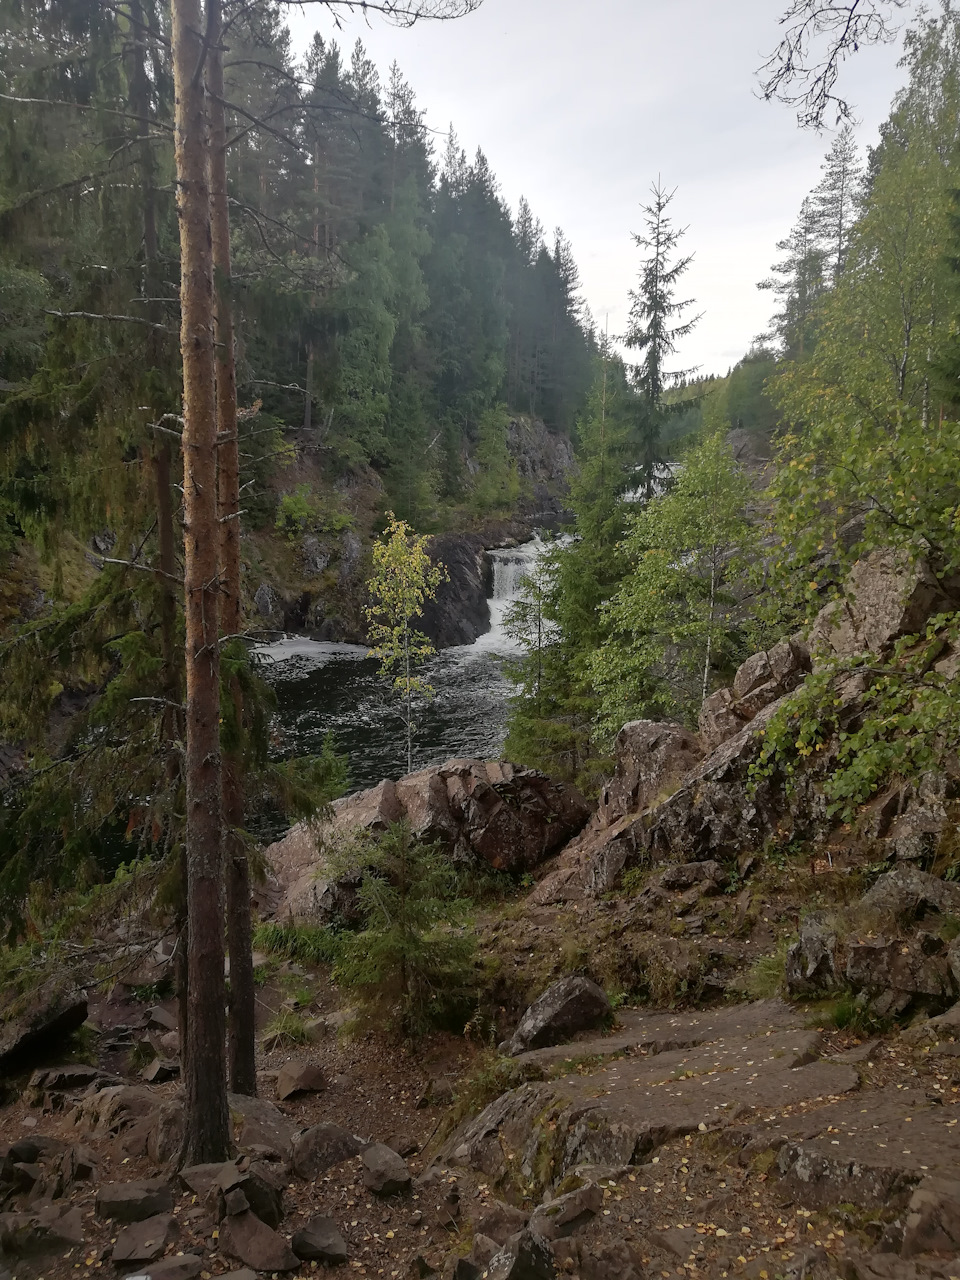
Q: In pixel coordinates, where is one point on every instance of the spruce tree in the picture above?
(656, 326)
(837, 200)
(558, 617)
(671, 620)
(799, 284)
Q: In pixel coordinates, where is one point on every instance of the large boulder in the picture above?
(295, 859)
(384, 1172)
(260, 1126)
(179, 1266)
(716, 812)
(499, 1221)
(507, 816)
(256, 1245)
(320, 1241)
(887, 595)
(145, 1241)
(933, 1219)
(48, 1228)
(811, 966)
(526, 1256)
(257, 1188)
(134, 1201)
(718, 719)
(763, 679)
(510, 817)
(109, 1111)
(298, 1076)
(651, 759)
(42, 1018)
(906, 893)
(570, 1005)
(898, 974)
(323, 1147)
(559, 1218)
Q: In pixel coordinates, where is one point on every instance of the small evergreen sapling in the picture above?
(410, 965)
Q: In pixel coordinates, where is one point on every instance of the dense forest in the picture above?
(385, 297)
(390, 313)
(387, 306)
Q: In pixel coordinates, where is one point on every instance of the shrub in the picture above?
(764, 978)
(411, 964)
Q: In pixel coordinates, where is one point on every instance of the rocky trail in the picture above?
(735, 1141)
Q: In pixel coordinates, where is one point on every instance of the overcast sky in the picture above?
(580, 104)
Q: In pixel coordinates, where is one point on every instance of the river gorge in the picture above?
(335, 690)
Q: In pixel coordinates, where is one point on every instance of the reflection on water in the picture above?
(335, 689)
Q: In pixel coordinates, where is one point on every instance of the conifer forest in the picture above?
(288, 386)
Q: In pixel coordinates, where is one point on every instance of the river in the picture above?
(334, 689)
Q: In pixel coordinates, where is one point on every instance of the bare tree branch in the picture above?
(818, 36)
(82, 106)
(403, 13)
(99, 315)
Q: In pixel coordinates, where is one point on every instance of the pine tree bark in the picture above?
(162, 463)
(206, 1122)
(242, 1000)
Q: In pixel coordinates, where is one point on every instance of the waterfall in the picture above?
(510, 565)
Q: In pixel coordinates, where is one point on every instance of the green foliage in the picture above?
(312, 944)
(656, 327)
(670, 623)
(287, 1030)
(633, 880)
(410, 966)
(404, 579)
(870, 437)
(764, 979)
(489, 1078)
(374, 327)
(907, 722)
(300, 512)
(849, 1012)
(557, 617)
(497, 485)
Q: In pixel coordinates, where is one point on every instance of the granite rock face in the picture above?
(459, 612)
(886, 597)
(651, 759)
(761, 680)
(50, 1013)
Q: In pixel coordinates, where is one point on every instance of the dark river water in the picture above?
(334, 689)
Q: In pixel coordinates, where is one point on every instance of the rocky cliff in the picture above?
(315, 584)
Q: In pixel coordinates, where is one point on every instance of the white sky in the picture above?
(580, 104)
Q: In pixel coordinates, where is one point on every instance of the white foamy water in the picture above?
(335, 689)
(511, 566)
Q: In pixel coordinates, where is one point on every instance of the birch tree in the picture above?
(404, 579)
(670, 621)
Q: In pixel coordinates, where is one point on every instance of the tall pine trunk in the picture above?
(162, 462)
(242, 1003)
(206, 1122)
